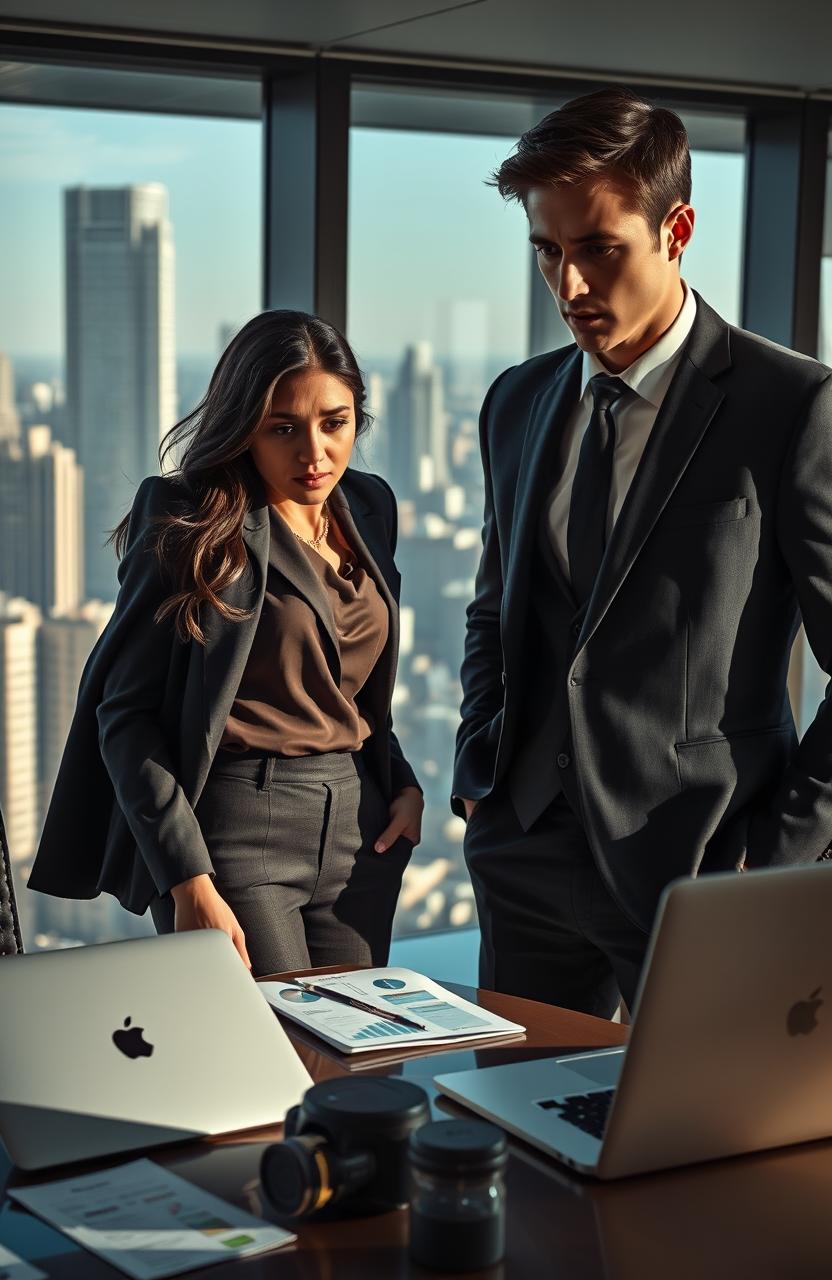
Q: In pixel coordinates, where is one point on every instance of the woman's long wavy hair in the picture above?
(202, 547)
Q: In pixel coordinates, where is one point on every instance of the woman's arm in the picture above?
(133, 746)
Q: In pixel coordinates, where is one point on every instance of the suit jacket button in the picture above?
(563, 760)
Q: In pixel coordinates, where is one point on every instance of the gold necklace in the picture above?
(314, 542)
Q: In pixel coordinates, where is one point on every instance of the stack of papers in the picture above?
(147, 1222)
(446, 1018)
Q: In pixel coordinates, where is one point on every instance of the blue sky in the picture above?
(424, 228)
(212, 171)
(430, 245)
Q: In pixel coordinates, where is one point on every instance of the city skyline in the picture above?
(425, 230)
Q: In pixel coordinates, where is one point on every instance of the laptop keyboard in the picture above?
(586, 1111)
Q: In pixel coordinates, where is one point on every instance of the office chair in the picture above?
(11, 943)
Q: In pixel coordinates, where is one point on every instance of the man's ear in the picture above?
(677, 230)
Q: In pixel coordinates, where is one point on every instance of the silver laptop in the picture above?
(129, 1044)
(731, 1043)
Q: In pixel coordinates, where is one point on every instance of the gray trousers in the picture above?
(291, 842)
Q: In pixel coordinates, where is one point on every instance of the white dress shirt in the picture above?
(634, 414)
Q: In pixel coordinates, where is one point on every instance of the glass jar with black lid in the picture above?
(457, 1213)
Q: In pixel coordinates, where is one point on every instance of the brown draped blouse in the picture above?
(288, 702)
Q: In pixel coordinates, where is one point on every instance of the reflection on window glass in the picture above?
(131, 252)
(438, 306)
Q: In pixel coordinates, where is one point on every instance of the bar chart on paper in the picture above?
(425, 1004)
(378, 1030)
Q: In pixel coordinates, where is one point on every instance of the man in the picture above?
(658, 516)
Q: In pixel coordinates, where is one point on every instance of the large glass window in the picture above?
(131, 251)
(438, 305)
(129, 213)
(713, 262)
(442, 290)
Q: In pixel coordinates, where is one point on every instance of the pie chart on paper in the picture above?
(299, 997)
(388, 984)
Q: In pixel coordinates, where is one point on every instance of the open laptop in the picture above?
(731, 1043)
(130, 1044)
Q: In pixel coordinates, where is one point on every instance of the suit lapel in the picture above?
(537, 473)
(286, 555)
(366, 532)
(228, 643)
(686, 413)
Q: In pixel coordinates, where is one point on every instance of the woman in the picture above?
(231, 763)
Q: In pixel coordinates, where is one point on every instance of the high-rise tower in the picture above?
(41, 521)
(417, 425)
(120, 352)
(9, 420)
(19, 799)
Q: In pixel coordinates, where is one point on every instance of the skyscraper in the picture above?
(56, 523)
(41, 521)
(120, 352)
(372, 451)
(417, 425)
(9, 420)
(14, 519)
(19, 625)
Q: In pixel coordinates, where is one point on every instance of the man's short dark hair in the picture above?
(611, 130)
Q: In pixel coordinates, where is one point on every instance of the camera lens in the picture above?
(346, 1141)
(296, 1175)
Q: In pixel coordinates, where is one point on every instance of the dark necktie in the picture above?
(586, 531)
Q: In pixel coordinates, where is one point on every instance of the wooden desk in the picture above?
(765, 1217)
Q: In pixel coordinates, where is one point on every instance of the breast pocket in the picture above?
(705, 513)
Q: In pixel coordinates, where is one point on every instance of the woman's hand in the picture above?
(199, 906)
(405, 819)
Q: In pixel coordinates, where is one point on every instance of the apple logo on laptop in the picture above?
(132, 1043)
(801, 1017)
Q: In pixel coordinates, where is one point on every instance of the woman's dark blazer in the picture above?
(151, 709)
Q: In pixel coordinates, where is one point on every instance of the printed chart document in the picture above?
(447, 1018)
(148, 1222)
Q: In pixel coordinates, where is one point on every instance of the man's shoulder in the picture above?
(530, 376)
(752, 350)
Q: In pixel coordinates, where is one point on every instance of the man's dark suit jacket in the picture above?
(151, 710)
(666, 703)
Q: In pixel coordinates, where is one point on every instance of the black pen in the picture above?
(339, 998)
